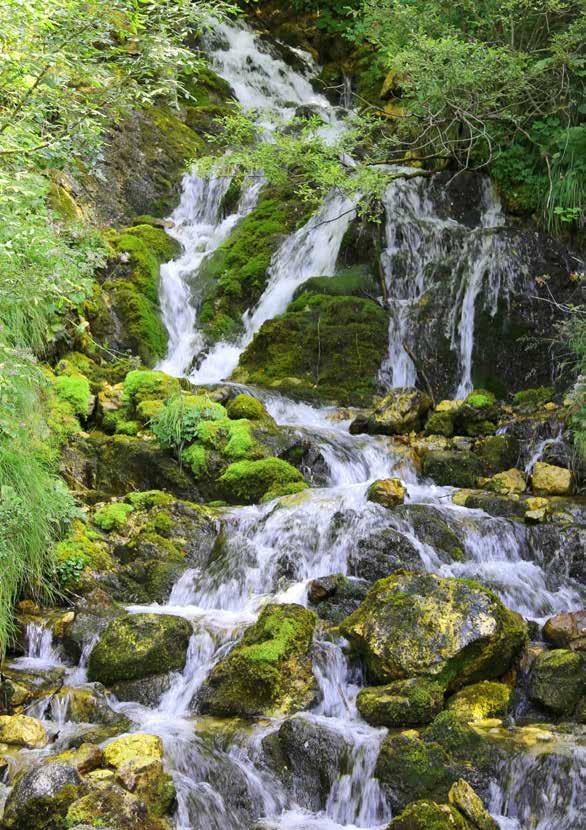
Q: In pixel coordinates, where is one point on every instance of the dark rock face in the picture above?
(452, 468)
(383, 553)
(335, 597)
(560, 550)
(308, 757)
(558, 680)
(567, 630)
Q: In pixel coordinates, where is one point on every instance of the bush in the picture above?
(178, 421)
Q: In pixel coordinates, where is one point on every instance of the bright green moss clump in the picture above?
(427, 815)
(246, 482)
(74, 389)
(269, 671)
(531, 399)
(481, 700)
(79, 551)
(327, 348)
(245, 406)
(144, 384)
(113, 516)
(236, 275)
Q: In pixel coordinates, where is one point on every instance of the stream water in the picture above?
(273, 550)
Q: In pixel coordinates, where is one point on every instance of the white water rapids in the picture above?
(273, 550)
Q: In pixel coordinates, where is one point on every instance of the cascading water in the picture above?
(422, 241)
(271, 551)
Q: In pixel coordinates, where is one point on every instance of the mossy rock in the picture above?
(235, 276)
(248, 408)
(440, 423)
(497, 452)
(80, 550)
(479, 701)
(430, 527)
(41, 798)
(74, 389)
(428, 815)
(355, 281)
(453, 631)
(143, 384)
(530, 400)
(324, 348)
(248, 482)
(400, 411)
(21, 730)
(453, 468)
(112, 516)
(478, 414)
(410, 768)
(108, 805)
(269, 671)
(558, 680)
(135, 646)
(402, 703)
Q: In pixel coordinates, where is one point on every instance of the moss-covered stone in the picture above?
(440, 423)
(388, 492)
(454, 631)
(112, 516)
(326, 348)
(84, 758)
(235, 276)
(466, 802)
(269, 672)
(139, 645)
(108, 805)
(452, 468)
(508, 482)
(248, 482)
(78, 551)
(530, 400)
(41, 797)
(558, 680)
(146, 385)
(480, 701)
(74, 389)
(497, 452)
(478, 414)
(402, 703)
(89, 704)
(21, 730)
(567, 630)
(400, 411)
(350, 282)
(428, 815)
(550, 480)
(246, 407)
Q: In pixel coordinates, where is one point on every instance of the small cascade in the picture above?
(78, 676)
(40, 652)
(427, 246)
(539, 450)
(310, 252)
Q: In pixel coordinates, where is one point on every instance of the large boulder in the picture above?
(453, 468)
(139, 645)
(399, 412)
(401, 703)
(550, 480)
(453, 631)
(269, 671)
(558, 680)
(20, 730)
(428, 815)
(41, 797)
(567, 630)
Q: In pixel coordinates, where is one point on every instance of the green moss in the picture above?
(460, 741)
(480, 399)
(74, 389)
(415, 769)
(357, 281)
(149, 498)
(440, 423)
(530, 400)
(235, 276)
(269, 671)
(147, 410)
(403, 703)
(284, 490)
(139, 645)
(63, 204)
(246, 482)
(204, 87)
(481, 700)
(195, 456)
(324, 347)
(246, 407)
(558, 680)
(427, 815)
(452, 468)
(112, 516)
(117, 421)
(146, 333)
(143, 384)
(77, 552)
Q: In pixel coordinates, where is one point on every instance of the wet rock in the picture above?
(94, 613)
(399, 412)
(452, 468)
(41, 797)
(507, 507)
(108, 804)
(478, 414)
(480, 701)
(147, 691)
(88, 704)
(450, 630)
(559, 550)
(20, 730)
(550, 480)
(465, 800)
(249, 482)
(443, 419)
(508, 482)
(497, 452)
(558, 680)
(388, 492)
(308, 757)
(335, 597)
(139, 645)
(86, 758)
(567, 630)
(409, 769)
(402, 703)
(382, 553)
(269, 671)
(138, 761)
(424, 815)
(430, 526)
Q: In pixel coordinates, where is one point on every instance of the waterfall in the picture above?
(423, 240)
(40, 653)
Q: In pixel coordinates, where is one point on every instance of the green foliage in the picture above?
(530, 399)
(145, 385)
(245, 406)
(112, 516)
(179, 421)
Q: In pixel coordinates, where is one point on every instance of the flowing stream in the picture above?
(273, 550)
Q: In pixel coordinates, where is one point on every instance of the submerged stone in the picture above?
(454, 631)
(269, 671)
